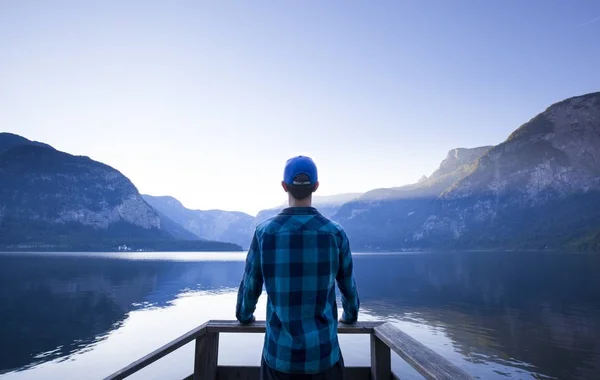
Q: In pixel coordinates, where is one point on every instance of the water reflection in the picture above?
(522, 315)
(53, 306)
(533, 311)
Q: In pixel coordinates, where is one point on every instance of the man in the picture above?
(299, 255)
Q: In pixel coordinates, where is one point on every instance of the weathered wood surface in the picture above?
(158, 353)
(253, 373)
(423, 359)
(260, 327)
(381, 359)
(206, 356)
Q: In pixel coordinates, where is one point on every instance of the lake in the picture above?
(518, 315)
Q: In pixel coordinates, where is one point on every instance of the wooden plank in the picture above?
(260, 327)
(207, 355)
(222, 326)
(423, 359)
(381, 360)
(253, 373)
(158, 353)
(232, 326)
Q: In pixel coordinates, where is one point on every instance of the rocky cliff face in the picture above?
(555, 154)
(388, 218)
(457, 164)
(44, 184)
(540, 188)
(53, 200)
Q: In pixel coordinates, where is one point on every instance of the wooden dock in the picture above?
(385, 338)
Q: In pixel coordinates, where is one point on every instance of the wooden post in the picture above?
(381, 360)
(207, 356)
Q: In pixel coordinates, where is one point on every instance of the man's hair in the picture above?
(301, 188)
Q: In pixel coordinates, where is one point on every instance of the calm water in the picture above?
(497, 315)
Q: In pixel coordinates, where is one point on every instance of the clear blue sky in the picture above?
(204, 100)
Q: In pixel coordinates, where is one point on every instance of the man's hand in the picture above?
(249, 321)
(345, 322)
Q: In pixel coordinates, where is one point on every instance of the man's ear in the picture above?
(284, 185)
(316, 186)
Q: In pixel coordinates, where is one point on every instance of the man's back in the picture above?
(299, 255)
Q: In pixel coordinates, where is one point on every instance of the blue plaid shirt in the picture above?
(299, 255)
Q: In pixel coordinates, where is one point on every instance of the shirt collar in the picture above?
(300, 211)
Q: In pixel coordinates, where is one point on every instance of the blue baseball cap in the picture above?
(300, 165)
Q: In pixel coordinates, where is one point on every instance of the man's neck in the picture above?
(303, 203)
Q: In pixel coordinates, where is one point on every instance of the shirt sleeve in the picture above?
(251, 284)
(346, 283)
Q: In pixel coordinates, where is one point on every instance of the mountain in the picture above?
(10, 140)
(52, 200)
(457, 165)
(538, 189)
(326, 204)
(386, 218)
(229, 226)
(234, 227)
(541, 187)
(175, 229)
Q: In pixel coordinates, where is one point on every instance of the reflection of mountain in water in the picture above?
(58, 305)
(510, 308)
(536, 308)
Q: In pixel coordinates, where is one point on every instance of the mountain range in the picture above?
(231, 226)
(218, 225)
(51, 200)
(538, 189)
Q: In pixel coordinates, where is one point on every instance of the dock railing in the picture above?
(385, 338)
